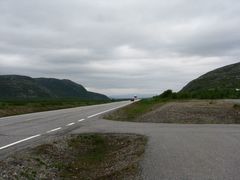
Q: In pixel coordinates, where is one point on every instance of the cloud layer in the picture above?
(119, 47)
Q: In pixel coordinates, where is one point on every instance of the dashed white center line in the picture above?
(20, 141)
(81, 120)
(54, 130)
(104, 111)
(70, 124)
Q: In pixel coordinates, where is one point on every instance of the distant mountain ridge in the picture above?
(224, 81)
(24, 87)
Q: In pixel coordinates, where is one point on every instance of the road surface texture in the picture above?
(173, 151)
(17, 132)
(237, 101)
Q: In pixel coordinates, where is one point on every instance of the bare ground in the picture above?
(198, 112)
(85, 156)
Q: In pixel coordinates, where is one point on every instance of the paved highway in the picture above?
(174, 151)
(19, 131)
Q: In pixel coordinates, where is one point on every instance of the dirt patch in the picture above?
(86, 156)
(195, 112)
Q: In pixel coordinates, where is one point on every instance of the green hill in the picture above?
(23, 87)
(223, 82)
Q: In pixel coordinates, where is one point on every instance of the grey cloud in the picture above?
(118, 47)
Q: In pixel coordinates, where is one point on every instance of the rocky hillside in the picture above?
(225, 82)
(23, 87)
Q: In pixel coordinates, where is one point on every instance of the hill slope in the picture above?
(221, 82)
(23, 87)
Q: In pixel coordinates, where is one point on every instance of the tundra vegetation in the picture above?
(16, 107)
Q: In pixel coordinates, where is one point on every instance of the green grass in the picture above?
(88, 156)
(136, 109)
(16, 107)
(98, 147)
(180, 111)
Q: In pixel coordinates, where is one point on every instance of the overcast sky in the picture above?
(119, 47)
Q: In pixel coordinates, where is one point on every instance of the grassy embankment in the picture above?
(16, 107)
(86, 156)
(135, 110)
(167, 108)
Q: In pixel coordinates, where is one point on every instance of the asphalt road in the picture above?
(182, 152)
(173, 151)
(17, 132)
(237, 101)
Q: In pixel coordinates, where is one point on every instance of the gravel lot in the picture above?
(194, 112)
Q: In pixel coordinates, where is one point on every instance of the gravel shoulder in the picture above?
(79, 156)
(173, 151)
(194, 112)
(188, 112)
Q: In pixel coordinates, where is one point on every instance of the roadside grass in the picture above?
(85, 156)
(178, 111)
(17, 107)
(96, 152)
(236, 106)
(135, 110)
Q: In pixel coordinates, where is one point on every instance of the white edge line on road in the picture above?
(70, 124)
(81, 120)
(54, 130)
(17, 142)
(104, 111)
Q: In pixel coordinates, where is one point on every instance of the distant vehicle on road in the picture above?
(134, 98)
